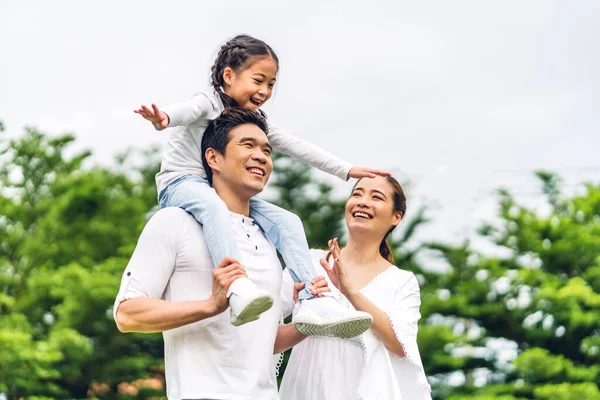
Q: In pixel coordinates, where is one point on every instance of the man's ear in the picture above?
(228, 75)
(212, 158)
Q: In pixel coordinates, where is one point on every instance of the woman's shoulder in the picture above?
(401, 276)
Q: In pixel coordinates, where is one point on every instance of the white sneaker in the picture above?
(325, 316)
(247, 301)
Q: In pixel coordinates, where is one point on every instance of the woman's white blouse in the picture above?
(323, 368)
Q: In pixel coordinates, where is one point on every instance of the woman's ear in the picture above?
(228, 75)
(397, 218)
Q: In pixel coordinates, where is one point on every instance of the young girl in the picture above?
(243, 75)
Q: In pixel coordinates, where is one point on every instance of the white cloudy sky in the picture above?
(459, 97)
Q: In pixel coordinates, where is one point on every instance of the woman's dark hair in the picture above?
(399, 204)
(216, 135)
(238, 53)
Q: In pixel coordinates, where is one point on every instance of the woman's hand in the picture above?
(319, 286)
(159, 119)
(338, 274)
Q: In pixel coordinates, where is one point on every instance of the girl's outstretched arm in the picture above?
(200, 106)
(316, 157)
(159, 119)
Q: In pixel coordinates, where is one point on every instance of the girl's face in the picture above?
(252, 86)
(371, 207)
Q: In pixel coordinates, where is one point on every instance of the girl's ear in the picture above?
(228, 75)
(397, 218)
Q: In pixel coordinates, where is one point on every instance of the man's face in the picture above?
(247, 164)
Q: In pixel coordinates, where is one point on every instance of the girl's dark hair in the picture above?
(399, 204)
(238, 53)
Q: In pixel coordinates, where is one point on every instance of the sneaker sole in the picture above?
(343, 329)
(252, 311)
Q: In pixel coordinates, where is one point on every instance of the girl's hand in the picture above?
(364, 172)
(338, 274)
(159, 119)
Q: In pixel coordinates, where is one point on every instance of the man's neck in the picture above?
(236, 202)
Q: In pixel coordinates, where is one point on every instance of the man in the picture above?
(170, 284)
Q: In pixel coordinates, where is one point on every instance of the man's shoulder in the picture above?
(177, 229)
(174, 220)
(171, 214)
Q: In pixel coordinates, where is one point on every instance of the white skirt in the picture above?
(323, 368)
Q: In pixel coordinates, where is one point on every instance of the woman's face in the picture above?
(371, 207)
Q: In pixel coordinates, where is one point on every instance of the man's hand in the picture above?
(364, 172)
(228, 270)
(159, 119)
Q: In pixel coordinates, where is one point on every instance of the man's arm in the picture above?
(287, 337)
(144, 314)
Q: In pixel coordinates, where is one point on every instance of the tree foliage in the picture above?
(521, 323)
(66, 233)
(525, 325)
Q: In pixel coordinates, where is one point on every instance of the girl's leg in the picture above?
(321, 316)
(198, 198)
(286, 231)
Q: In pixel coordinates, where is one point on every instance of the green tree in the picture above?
(541, 300)
(524, 325)
(66, 233)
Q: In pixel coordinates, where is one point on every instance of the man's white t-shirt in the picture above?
(210, 358)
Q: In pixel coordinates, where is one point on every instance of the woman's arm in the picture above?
(381, 327)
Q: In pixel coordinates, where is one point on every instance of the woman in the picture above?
(383, 363)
